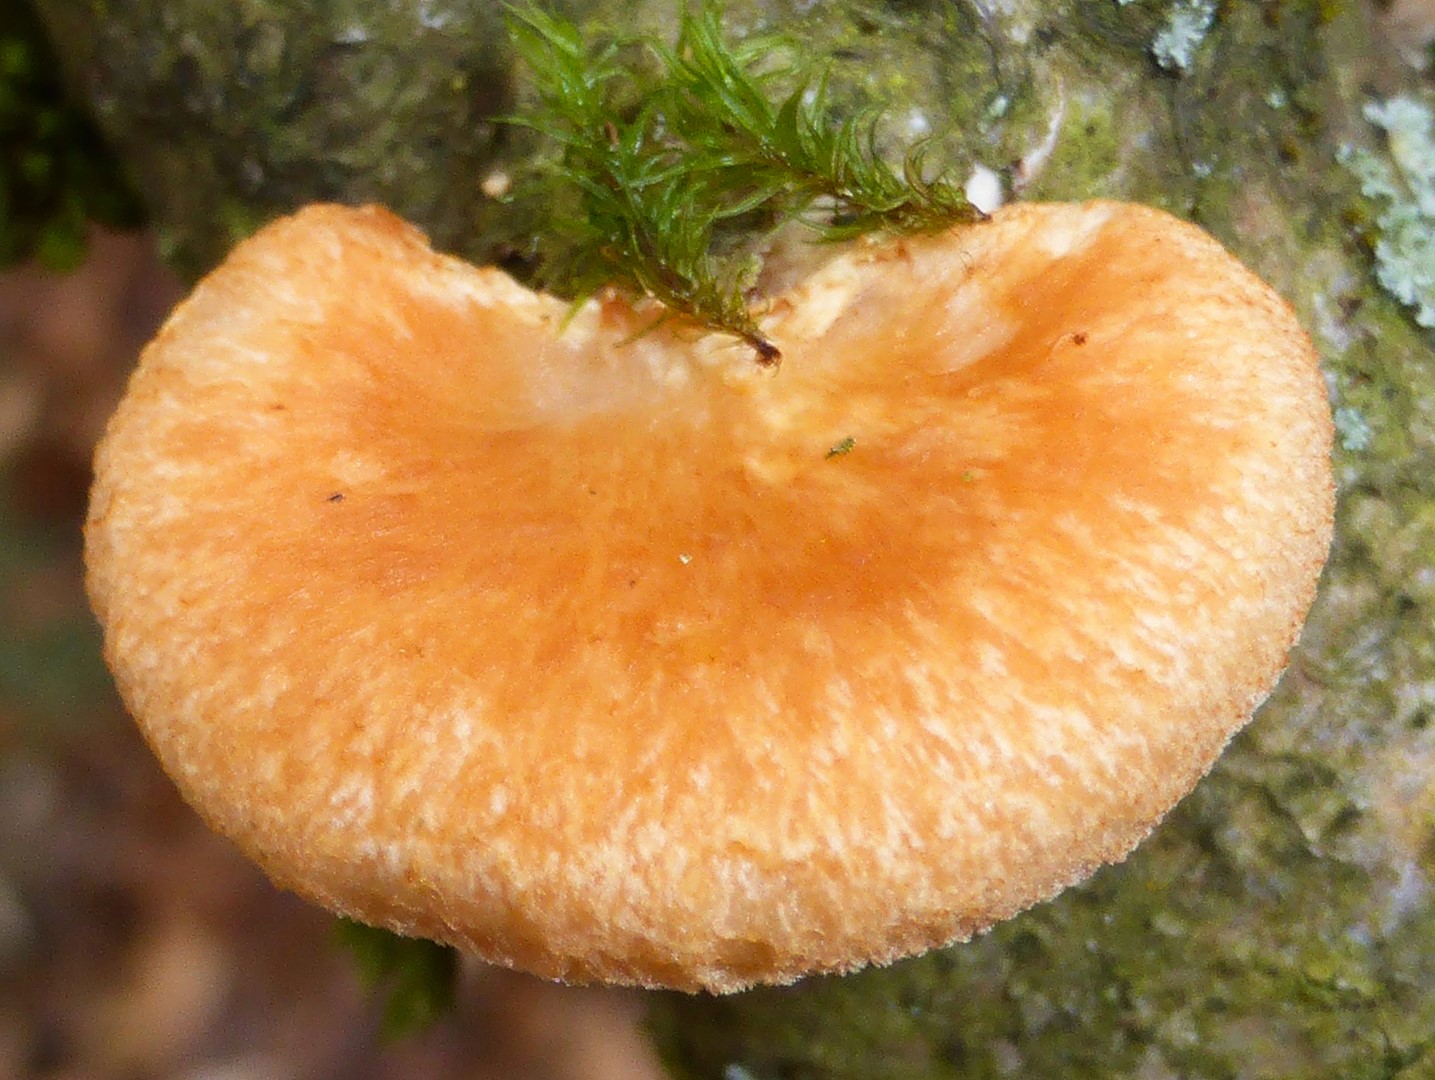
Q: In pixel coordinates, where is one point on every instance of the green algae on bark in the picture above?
(230, 113)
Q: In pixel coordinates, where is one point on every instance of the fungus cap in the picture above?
(602, 651)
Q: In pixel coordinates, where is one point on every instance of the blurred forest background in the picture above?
(133, 942)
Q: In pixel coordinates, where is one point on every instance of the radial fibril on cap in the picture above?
(576, 645)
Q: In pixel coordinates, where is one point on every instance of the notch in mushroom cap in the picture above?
(582, 650)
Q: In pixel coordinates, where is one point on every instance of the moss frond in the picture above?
(660, 152)
(417, 978)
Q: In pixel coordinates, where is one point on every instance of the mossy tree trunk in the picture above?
(1282, 922)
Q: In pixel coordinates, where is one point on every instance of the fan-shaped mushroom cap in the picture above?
(614, 655)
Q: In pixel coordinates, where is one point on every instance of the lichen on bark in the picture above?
(1281, 923)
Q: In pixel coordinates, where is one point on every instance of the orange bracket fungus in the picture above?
(597, 649)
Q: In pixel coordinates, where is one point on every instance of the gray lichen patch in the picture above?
(1174, 47)
(1401, 182)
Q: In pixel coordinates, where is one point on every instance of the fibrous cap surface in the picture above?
(613, 655)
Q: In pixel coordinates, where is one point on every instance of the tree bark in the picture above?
(1281, 923)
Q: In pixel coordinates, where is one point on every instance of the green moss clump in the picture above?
(658, 147)
(416, 977)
